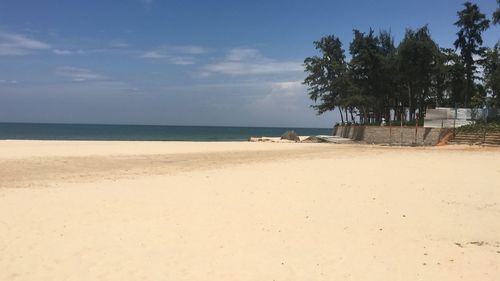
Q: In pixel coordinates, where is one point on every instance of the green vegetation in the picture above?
(381, 77)
(481, 127)
(471, 23)
(496, 14)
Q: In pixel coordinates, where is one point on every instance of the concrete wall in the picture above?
(388, 135)
(445, 117)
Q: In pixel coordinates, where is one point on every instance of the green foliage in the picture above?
(381, 80)
(451, 81)
(327, 74)
(472, 23)
(373, 72)
(418, 56)
(492, 74)
(408, 123)
(479, 97)
(481, 127)
(496, 14)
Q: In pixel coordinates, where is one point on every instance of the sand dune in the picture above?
(247, 211)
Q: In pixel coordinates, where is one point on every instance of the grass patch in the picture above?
(481, 127)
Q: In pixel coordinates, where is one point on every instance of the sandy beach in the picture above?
(247, 211)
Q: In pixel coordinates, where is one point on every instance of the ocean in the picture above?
(38, 131)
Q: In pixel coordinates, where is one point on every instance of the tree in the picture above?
(417, 59)
(390, 77)
(326, 79)
(417, 74)
(367, 74)
(496, 14)
(471, 23)
(492, 74)
(440, 79)
(454, 77)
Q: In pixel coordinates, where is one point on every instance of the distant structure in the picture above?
(446, 117)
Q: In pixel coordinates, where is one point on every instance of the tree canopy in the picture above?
(327, 74)
(492, 74)
(496, 14)
(382, 80)
(472, 24)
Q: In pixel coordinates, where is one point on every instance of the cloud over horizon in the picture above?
(13, 44)
(177, 55)
(79, 74)
(8, 82)
(246, 61)
(192, 75)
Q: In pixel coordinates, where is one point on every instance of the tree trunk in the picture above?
(468, 85)
(410, 108)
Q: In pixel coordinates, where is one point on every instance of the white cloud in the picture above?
(289, 86)
(153, 55)
(181, 60)
(190, 50)
(12, 44)
(178, 60)
(8, 82)
(247, 68)
(283, 95)
(68, 52)
(62, 52)
(240, 54)
(79, 74)
(251, 62)
(179, 55)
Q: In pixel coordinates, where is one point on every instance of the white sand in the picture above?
(247, 211)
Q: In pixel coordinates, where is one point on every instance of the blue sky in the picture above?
(185, 62)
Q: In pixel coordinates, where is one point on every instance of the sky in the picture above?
(219, 63)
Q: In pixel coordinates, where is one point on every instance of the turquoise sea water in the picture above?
(34, 131)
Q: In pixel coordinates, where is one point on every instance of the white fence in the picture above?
(445, 117)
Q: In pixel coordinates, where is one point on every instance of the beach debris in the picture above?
(314, 139)
(255, 139)
(290, 135)
(330, 139)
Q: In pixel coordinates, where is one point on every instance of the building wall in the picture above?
(391, 135)
(445, 117)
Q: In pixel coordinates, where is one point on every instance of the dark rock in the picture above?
(290, 135)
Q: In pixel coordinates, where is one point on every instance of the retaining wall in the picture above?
(391, 135)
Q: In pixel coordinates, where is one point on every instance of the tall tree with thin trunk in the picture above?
(418, 55)
(367, 73)
(390, 73)
(326, 79)
(496, 14)
(454, 77)
(472, 23)
(492, 74)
